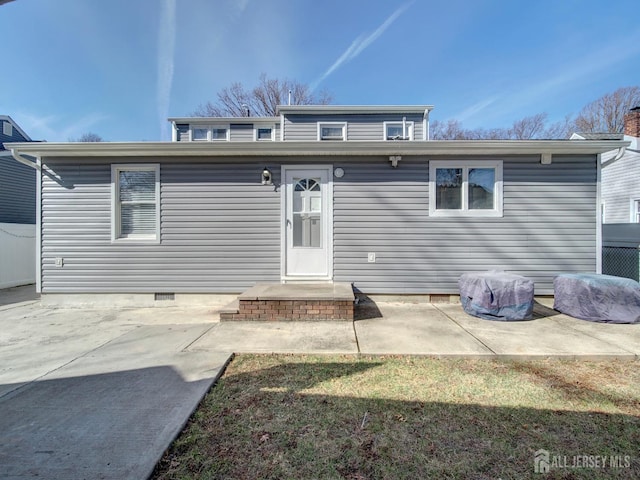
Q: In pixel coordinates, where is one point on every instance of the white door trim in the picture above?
(283, 225)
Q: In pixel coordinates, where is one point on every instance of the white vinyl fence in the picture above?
(17, 254)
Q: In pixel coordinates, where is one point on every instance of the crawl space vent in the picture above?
(165, 296)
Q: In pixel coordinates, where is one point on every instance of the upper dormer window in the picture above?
(7, 129)
(264, 134)
(332, 131)
(398, 130)
(199, 134)
(213, 133)
(219, 133)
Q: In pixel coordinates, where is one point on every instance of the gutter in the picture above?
(25, 161)
(356, 149)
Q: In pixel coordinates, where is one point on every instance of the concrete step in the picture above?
(293, 302)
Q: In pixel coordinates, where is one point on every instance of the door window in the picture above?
(307, 213)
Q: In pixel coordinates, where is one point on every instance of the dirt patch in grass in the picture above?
(285, 416)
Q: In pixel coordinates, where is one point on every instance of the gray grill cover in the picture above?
(496, 295)
(599, 298)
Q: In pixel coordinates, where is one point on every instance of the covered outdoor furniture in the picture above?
(598, 298)
(496, 295)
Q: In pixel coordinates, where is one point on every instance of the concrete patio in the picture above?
(102, 392)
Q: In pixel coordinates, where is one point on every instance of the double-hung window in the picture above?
(332, 131)
(466, 188)
(135, 203)
(398, 130)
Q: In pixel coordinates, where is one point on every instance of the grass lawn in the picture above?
(293, 416)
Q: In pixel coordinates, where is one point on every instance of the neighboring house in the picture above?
(621, 176)
(17, 181)
(620, 182)
(318, 193)
(620, 201)
(17, 211)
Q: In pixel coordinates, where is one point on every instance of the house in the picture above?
(621, 176)
(17, 211)
(318, 194)
(17, 181)
(620, 201)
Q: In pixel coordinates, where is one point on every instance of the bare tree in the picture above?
(262, 100)
(449, 130)
(88, 137)
(606, 114)
(528, 127)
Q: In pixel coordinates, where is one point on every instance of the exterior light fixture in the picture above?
(266, 177)
(394, 159)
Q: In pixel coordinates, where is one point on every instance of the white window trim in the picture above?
(633, 209)
(410, 130)
(465, 165)
(115, 209)
(258, 127)
(210, 129)
(332, 124)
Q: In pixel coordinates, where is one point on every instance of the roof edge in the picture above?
(315, 148)
(209, 120)
(353, 109)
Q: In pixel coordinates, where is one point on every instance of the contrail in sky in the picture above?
(360, 44)
(166, 51)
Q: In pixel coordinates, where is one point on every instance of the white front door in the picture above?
(307, 223)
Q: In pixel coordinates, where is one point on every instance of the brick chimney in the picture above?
(632, 122)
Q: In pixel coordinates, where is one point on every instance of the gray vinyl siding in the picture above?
(548, 227)
(241, 132)
(237, 133)
(16, 136)
(17, 192)
(220, 231)
(359, 127)
(620, 186)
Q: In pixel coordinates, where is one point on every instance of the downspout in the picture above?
(36, 165)
(619, 155)
(38, 225)
(599, 214)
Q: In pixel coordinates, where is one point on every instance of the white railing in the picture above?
(17, 254)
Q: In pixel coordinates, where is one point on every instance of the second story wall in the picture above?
(369, 127)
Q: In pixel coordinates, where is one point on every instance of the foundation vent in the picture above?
(164, 296)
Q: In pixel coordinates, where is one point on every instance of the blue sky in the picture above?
(119, 68)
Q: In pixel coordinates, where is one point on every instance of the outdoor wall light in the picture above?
(266, 177)
(394, 159)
